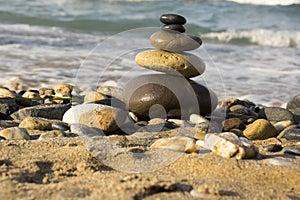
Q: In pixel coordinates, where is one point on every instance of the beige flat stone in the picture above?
(185, 64)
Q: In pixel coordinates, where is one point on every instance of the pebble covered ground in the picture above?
(52, 139)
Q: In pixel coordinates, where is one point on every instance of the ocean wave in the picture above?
(268, 2)
(261, 37)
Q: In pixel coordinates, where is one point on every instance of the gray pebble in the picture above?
(276, 114)
(295, 150)
(290, 134)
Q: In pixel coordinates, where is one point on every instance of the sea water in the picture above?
(250, 47)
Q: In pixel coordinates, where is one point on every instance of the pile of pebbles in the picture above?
(228, 127)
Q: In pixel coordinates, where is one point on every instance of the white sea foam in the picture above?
(268, 2)
(258, 36)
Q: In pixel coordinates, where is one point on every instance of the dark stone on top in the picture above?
(176, 97)
(173, 27)
(273, 148)
(295, 150)
(290, 134)
(196, 38)
(294, 102)
(172, 19)
(276, 114)
(52, 111)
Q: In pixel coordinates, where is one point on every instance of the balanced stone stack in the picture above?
(172, 94)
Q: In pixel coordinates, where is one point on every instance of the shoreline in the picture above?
(55, 164)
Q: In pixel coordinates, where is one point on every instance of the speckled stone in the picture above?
(106, 119)
(259, 130)
(173, 41)
(179, 143)
(46, 92)
(143, 92)
(36, 123)
(185, 64)
(15, 133)
(63, 90)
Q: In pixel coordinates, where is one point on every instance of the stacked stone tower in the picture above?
(171, 94)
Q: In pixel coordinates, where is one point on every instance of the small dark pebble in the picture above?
(196, 38)
(172, 19)
(60, 126)
(174, 27)
(273, 148)
(295, 150)
(2, 138)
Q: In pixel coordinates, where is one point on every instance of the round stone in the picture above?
(172, 19)
(185, 64)
(173, 41)
(178, 96)
(174, 27)
(260, 129)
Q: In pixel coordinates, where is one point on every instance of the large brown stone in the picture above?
(260, 129)
(185, 64)
(176, 97)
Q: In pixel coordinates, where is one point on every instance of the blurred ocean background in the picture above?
(251, 47)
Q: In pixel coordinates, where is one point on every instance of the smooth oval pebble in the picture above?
(259, 130)
(295, 150)
(185, 64)
(197, 119)
(177, 100)
(174, 27)
(172, 19)
(173, 41)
